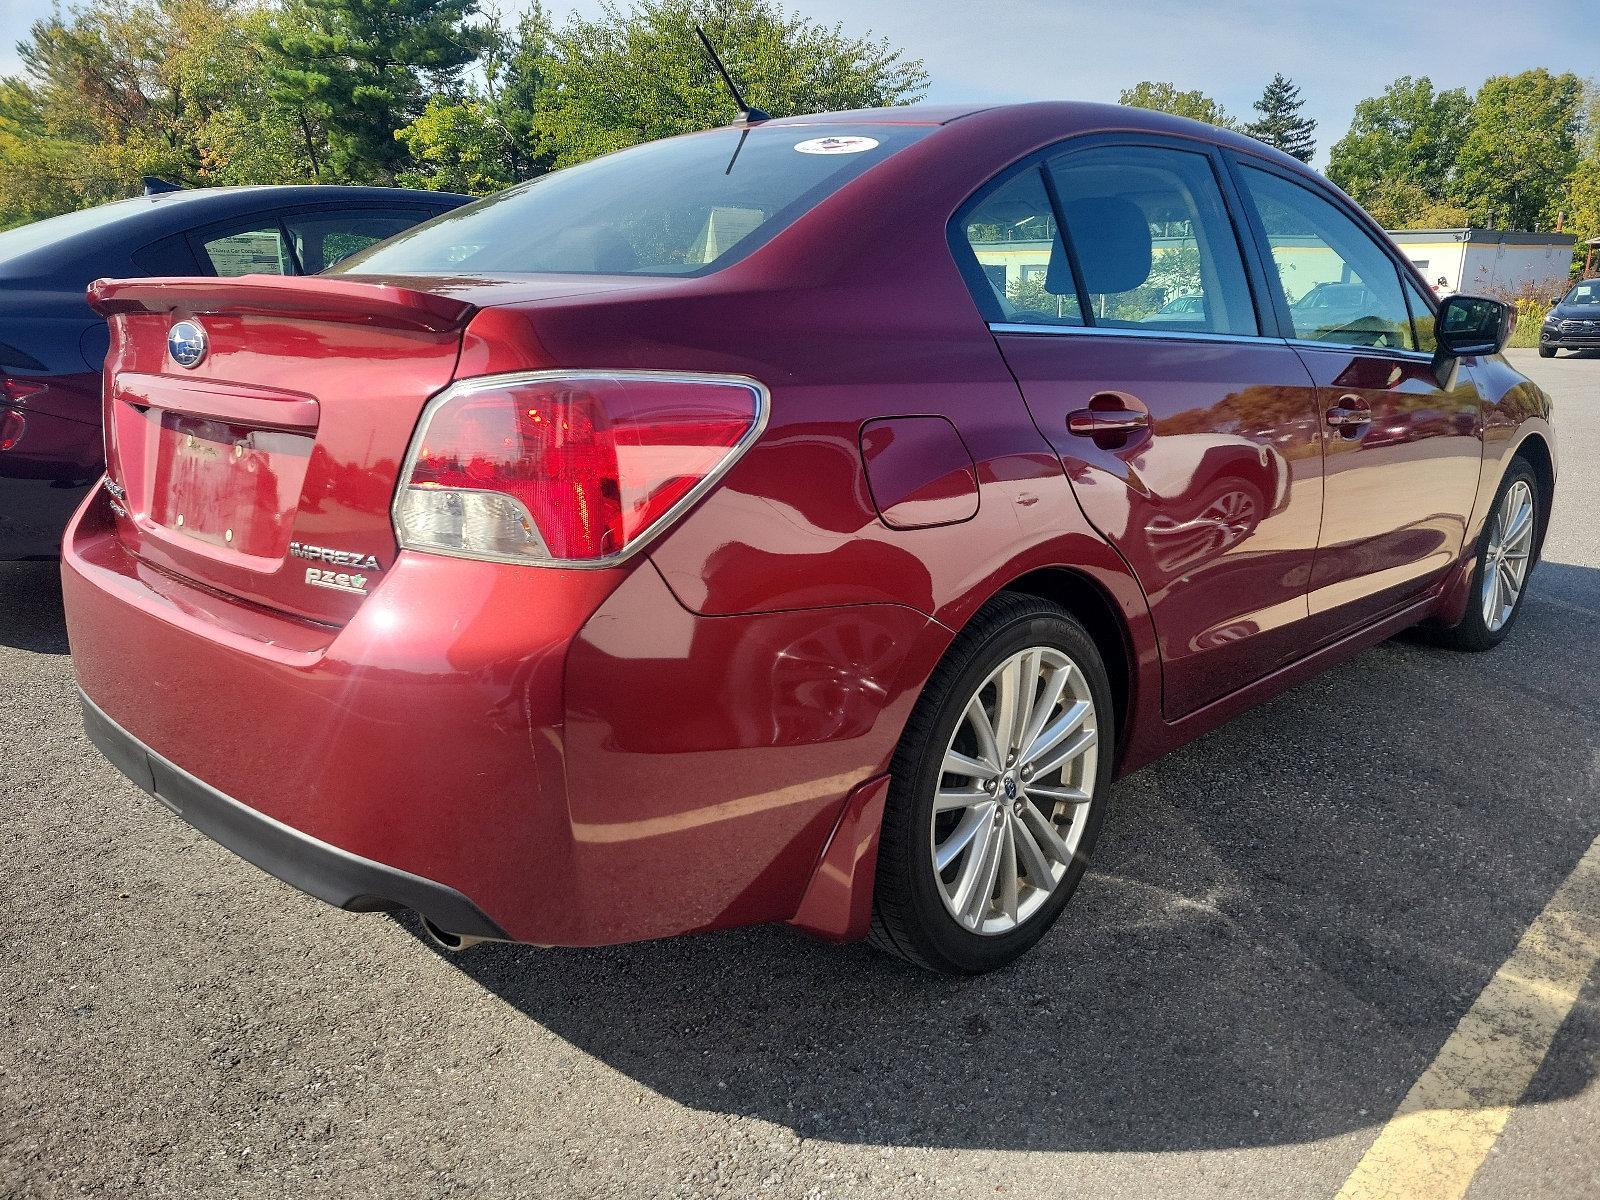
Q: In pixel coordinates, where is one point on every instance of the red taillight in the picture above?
(12, 426)
(568, 467)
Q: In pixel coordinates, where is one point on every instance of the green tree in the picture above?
(360, 70)
(455, 147)
(1518, 159)
(1280, 123)
(117, 89)
(1164, 97)
(1398, 159)
(629, 76)
(488, 139)
(1581, 204)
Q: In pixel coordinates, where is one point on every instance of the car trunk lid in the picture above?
(266, 470)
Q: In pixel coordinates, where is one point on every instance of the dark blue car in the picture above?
(1574, 323)
(52, 343)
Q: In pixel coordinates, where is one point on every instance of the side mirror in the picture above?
(1467, 325)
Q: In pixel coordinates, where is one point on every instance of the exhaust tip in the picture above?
(454, 943)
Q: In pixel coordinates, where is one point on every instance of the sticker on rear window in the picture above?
(837, 145)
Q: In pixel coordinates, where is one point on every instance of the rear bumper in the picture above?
(574, 757)
(325, 871)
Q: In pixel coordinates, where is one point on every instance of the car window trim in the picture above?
(1058, 213)
(1124, 331)
(1174, 335)
(1421, 356)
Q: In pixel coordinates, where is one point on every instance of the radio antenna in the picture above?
(746, 113)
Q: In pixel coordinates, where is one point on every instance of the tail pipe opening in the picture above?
(443, 939)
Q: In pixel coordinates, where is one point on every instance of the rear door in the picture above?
(1190, 436)
(1403, 440)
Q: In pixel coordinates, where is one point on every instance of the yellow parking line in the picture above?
(1447, 1124)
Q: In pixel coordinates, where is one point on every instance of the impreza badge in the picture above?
(339, 558)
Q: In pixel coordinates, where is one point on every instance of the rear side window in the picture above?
(1340, 285)
(1020, 257)
(256, 251)
(322, 239)
(1153, 241)
(684, 206)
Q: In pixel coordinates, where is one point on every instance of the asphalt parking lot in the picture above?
(1285, 925)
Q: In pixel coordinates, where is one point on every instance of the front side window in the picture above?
(683, 206)
(1421, 318)
(1340, 286)
(1153, 241)
(1012, 234)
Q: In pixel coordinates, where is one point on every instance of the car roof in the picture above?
(129, 224)
(1069, 117)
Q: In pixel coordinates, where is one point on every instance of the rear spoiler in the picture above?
(311, 298)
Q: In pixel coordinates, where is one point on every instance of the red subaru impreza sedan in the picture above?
(801, 521)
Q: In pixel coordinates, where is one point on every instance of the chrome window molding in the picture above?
(1378, 351)
(1200, 336)
(481, 383)
(1122, 331)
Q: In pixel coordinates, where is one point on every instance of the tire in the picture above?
(914, 904)
(1547, 351)
(1478, 630)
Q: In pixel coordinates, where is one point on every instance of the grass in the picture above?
(1525, 333)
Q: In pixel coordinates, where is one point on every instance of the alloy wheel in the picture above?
(1014, 791)
(1510, 549)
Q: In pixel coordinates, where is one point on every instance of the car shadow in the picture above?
(30, 607)
(1284, 922)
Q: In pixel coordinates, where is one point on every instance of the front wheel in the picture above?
(997, 791)
(1505, 558)
(1547, 351)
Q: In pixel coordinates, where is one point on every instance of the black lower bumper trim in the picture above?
(317, 868)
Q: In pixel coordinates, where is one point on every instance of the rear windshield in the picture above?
(685, 206)
(17, 244)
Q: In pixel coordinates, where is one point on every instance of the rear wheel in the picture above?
(997, 791)
(1505, 559)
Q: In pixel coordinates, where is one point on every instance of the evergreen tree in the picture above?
(363, 69)
(1281, 124)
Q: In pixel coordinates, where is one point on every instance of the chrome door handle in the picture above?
(1342, 417)
(1087, 422)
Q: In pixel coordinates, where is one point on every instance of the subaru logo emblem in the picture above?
(186, 342)
(1011, 788)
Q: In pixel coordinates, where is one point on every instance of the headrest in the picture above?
(1112, 238)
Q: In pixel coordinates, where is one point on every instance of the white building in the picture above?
(1488, 260)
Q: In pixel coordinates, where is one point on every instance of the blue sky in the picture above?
(1337, 51)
